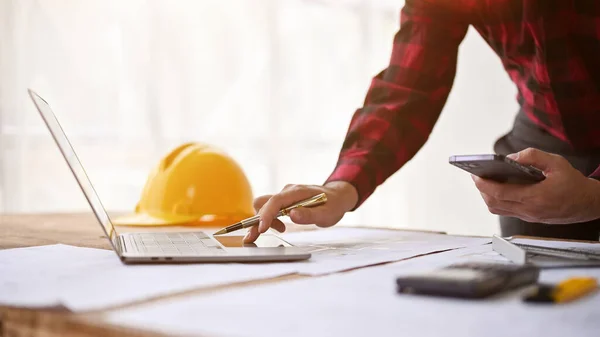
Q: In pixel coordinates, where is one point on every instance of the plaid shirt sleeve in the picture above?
(404, 100)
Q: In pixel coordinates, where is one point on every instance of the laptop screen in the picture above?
(73, 161)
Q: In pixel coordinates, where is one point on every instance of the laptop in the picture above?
(165, 247)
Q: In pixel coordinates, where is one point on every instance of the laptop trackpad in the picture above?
(263, 241)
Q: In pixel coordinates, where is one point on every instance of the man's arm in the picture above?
(399, 112)
(404, 100)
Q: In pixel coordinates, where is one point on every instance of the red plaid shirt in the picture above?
(550, 49)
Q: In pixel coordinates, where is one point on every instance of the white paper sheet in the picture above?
(86, 279)
(365, 303)
(341, 248)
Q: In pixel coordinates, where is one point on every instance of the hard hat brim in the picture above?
(144, 219)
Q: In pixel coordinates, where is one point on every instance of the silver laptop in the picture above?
(166, 247)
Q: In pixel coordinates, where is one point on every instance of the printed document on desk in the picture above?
(342, 248)
(365, 303)
(82, 279)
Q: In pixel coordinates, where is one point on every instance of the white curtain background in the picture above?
(273, 82)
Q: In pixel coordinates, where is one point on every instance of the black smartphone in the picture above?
(498, 168)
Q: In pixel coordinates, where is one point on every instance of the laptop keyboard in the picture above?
(188, 243)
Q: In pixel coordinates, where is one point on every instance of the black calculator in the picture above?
(469, 280)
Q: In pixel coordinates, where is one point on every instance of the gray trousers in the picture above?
(525, 134)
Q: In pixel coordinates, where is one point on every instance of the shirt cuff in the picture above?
(596, 174)
(355, 175)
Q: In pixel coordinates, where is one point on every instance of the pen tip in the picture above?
(221, 231)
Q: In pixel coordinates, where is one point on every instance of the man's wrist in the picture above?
(347, 192)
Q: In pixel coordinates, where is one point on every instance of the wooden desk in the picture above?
(77, 230)
(46, 229)
(26, 230)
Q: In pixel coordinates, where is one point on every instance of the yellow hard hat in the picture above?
(195, 184)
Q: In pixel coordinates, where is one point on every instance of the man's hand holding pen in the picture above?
(341, 198)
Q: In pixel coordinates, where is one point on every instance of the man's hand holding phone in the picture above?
(565, 195)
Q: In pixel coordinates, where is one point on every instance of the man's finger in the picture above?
(536, 158)
(260, 201)
(308, 216)
(501, 207)
(501, 212)
(302, 216)
(506, 205)
(286, 198)
(502, 191)
(278, 225)
(252, 235)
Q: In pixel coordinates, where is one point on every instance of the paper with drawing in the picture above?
(87, 279)
(365, 303)
(338, 249)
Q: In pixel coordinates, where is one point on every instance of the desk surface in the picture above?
(22, 230)
(27, 230)
(46, 229)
